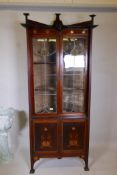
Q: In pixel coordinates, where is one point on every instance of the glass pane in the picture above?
(44, 73)
(74, 61)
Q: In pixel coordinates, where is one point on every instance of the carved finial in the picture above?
(58, 23)
(26, 15)
(92, 17)
(57, 16)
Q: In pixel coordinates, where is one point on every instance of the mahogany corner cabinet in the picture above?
(59, 78)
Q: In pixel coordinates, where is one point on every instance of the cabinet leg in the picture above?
(86, 168)
(32, 171)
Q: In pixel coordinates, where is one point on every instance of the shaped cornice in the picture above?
(58, 24)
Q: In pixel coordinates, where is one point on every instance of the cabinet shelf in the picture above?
(44, 62)
(71, 74)
(38, 89)
(47, 94)
(49, 75)
(73, 89)
(43, 89)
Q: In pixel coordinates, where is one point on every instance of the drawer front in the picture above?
(73, 135)
(45, 136)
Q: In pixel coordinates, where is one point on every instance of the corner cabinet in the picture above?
(59, 76)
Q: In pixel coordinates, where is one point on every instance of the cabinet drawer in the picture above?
(73, 133)
(45, 136)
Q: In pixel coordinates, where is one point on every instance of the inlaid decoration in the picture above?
(73, 136)
(46, 137)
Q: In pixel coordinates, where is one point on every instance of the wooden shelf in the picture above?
(44, 63)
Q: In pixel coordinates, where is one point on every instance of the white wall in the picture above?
(13, 72)
(104, 81)
(99, 3)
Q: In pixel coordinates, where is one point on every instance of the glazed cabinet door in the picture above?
(45, 135)
(74, 71)
(44, 71)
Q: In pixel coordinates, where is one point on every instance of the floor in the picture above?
(102, 161)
